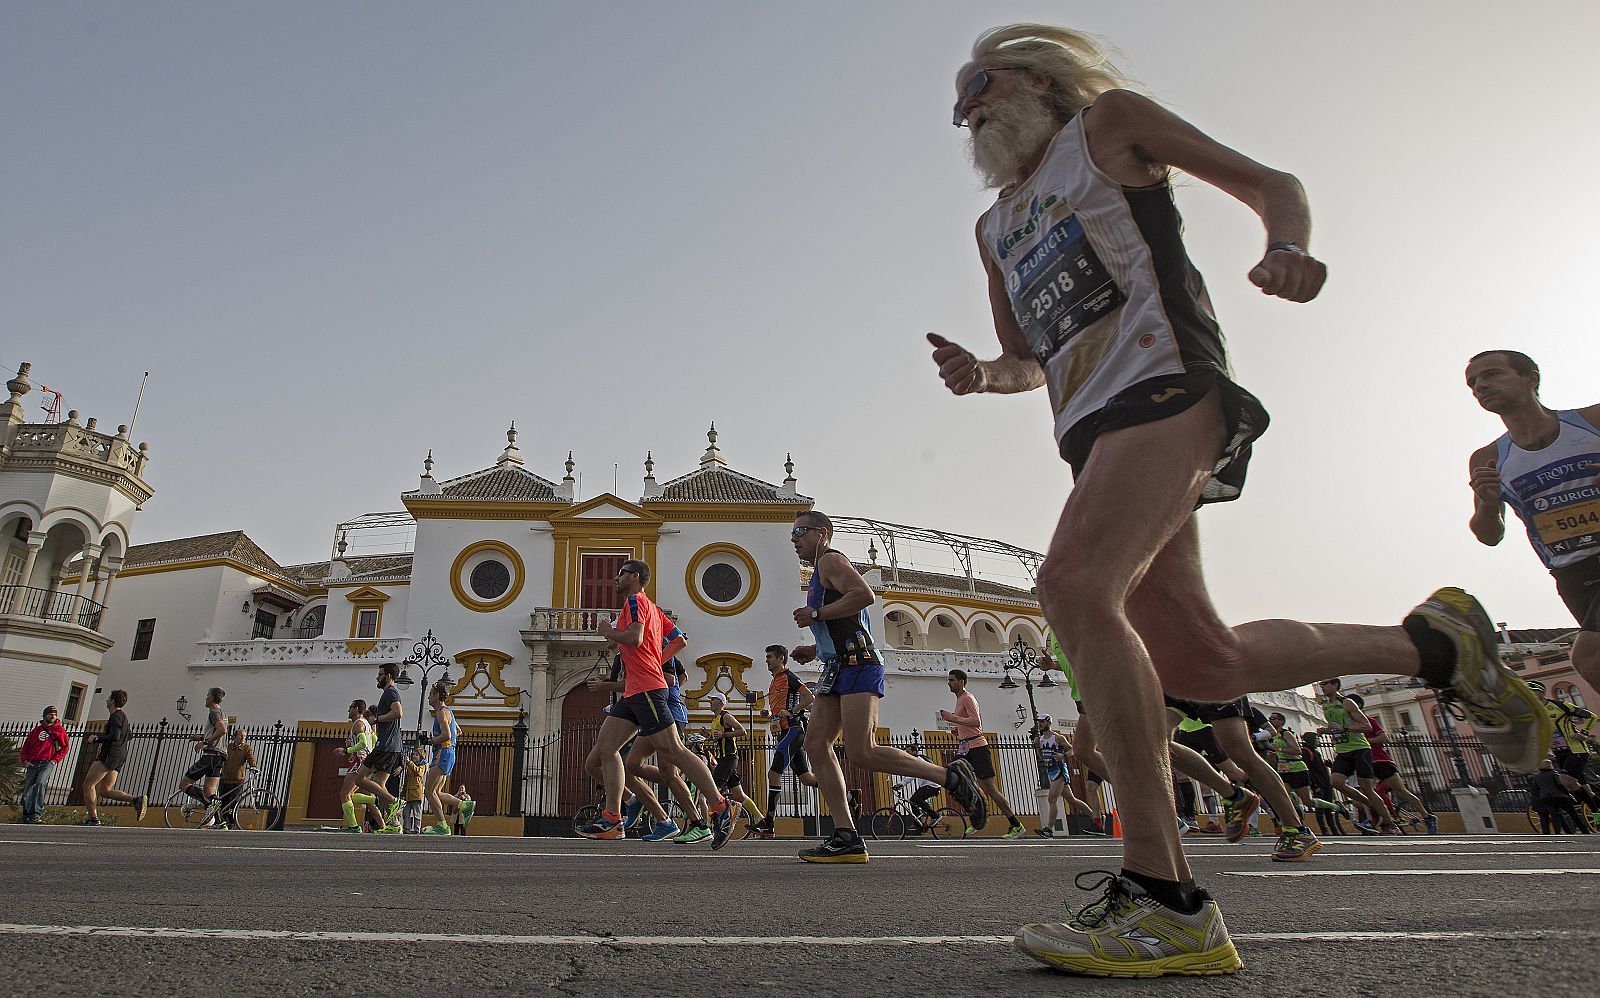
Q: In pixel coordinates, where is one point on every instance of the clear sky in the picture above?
(338, 235)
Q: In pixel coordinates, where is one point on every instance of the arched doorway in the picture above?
(581, 714)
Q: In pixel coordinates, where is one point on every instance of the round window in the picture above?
(722, 583)
(490, 580)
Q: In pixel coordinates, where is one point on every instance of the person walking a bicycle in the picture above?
(237, 766)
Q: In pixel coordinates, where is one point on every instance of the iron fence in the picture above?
(158, 754)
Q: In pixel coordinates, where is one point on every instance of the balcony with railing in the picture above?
(572, 625)
(51, 604)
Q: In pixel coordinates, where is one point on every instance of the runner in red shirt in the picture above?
(643, 711)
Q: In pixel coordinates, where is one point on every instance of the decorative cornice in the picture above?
(433, 509)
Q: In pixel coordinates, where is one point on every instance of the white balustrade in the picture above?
(298, 651)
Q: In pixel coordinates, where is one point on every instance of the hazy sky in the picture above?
(340, 234)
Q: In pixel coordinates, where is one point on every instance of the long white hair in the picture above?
(1076, 64)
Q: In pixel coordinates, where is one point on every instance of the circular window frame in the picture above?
(463, 592)
(473, 580)
(728, 553)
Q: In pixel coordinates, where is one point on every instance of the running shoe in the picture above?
(356, 829)
(1045, 832)
(1432, 823)
(662, 830)
(607, 826)
(444, 829)
(1184, 828)
(92, 822)
(722, 823)
(1509, 717)
(392, 818)
(1012, 832)
(1296, 845)
(1127, 933)
(691, 835)
(385, 830)
(631, 812)
(1389, 829)
(141, 805)
(470, 808)
(1365, 827)
(1236, 815)
(837, 848)
(962, 783)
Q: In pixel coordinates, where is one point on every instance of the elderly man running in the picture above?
(1095, 299)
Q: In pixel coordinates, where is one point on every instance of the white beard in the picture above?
(1013, 132)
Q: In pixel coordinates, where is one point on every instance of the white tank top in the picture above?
(1556, 490)
(1099, 281)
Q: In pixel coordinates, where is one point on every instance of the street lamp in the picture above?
(427, 655)
(1025, 659)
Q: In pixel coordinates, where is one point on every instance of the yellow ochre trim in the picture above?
(691, 580)
(519, 575)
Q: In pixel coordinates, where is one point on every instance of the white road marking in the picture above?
(300, 936)
(39, 842)
(1410, 873)
(594, 854)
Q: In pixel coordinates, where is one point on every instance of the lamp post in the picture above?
(427, 655)
(1025, 659)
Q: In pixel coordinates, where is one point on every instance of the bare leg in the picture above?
(1126, 596)
(1194, 765)
(671, 750)
(109, 791)
(91, 790)
(1233, 734)
(992, 788)
(826, 722)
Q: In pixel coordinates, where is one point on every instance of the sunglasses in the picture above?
(975, 86)
(799, 532)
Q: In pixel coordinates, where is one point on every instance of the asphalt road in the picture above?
(109, 911)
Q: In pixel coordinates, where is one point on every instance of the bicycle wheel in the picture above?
(948, 824)
(183, 811)
(586, 816)
(886, 823)
(255, 812)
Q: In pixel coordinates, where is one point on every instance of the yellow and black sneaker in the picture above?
(837, 848)
(1127, 933)
(1507, 716)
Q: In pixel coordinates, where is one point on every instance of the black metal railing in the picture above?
(158, 754)
(51, 604)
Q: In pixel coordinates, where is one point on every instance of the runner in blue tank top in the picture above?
(848, 690)
(1546, 466)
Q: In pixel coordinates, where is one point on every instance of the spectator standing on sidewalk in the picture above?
(45, 746)
(416, 766)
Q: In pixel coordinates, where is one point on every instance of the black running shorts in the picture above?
(1357, 764)
(647, 710)
(1294, 781)
(1579, 586)
(982, 762)
(1384, 770)
(727, 772)
(1243, 416)
(206, 766)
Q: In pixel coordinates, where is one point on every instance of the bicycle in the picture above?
(897, 820)
(251, 807)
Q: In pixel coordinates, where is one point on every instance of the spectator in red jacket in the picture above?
(45, 746)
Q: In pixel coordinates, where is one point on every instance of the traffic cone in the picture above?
(1116, 825)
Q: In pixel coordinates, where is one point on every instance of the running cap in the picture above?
(1044, 718)
(52, 709)
(718, 697)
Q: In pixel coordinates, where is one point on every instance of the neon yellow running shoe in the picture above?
(1127, 933)
(1506, 715)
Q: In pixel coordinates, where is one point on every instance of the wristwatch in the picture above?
(816, 615)
(1291, 247)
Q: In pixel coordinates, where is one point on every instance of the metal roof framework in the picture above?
(893, 537)
(963, 546)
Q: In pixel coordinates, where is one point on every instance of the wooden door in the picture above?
(597, 587)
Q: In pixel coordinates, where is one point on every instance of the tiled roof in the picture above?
(503, 483)
(714, 483)
(1538, 635)
(363, 568)
(229, 544)
(914, 579)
